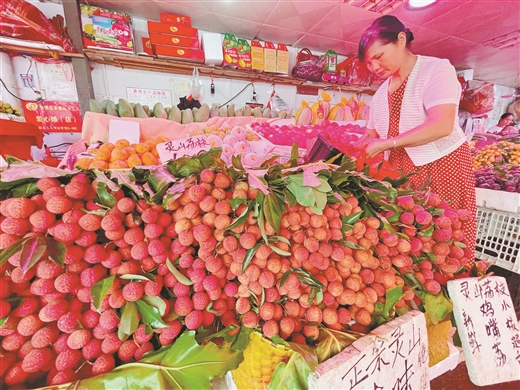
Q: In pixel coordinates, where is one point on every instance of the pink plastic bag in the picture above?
(478, 98)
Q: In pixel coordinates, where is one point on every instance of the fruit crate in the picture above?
(498, 238)
(498, 200)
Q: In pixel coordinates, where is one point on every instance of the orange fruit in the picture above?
(102, 154)
(118, 154)
(122, 143)
(149, 159)
(118, 164)
(99, 164)
(142, 148)
(83, 162)
(162, 138)
(108, 147)
(155, 152)
(150, 142)
(130, 149)
(133, 160)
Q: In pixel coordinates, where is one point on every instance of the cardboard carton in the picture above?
(257, 55)
(230, 49)
(177, 20)
(331, 60)
(179, 53)
(244, 54)
(147, 46)
(269, 57)
(282, 59)
(165, 28)
(211, 44)
(174, 40)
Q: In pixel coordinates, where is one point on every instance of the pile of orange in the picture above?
(122, 154)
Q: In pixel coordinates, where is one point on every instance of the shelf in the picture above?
(46, 52)
(161, 64)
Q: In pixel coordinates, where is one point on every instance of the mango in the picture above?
(159, 111)
(175, 114)
(282, 114)
(204, 113)
(231, 110)
(239, 112)
(213, 111)
(257, 112)
(125, 110)
(274, 114)
(247, 111)
(111, 108)
(139, 112)
(94, 106)
(187, 116)
(167, 109)
(223, 112)
(146, 109)
(195, 112)
(266, 113)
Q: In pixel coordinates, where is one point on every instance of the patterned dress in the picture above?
(451, 177)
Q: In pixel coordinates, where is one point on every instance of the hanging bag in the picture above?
(308, 66)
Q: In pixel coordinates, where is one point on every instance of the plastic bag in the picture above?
(22, 20)
(356, 72)
(514, 108)
(479, 97)
(196, 87)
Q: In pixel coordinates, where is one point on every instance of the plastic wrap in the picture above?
(22, 20)
(478, 98)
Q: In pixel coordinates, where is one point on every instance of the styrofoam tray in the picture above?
(498, 200)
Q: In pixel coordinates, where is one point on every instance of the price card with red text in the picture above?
(190, 146)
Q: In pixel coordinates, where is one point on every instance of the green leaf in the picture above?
(150, 315)
(129, 321)
(392, 297)
(182, 365)
(353, 218)
(178, 275)
(235, 202)
(303, 194)
(242, 339)
(156, 302)
(32, 251)
(331, 342)
(3, 320)
(321, 199)
(100, 289)
(56, 250)
(291, 375)
(278, 340)
(284, 278)
(241, 219)
(24, 190)
(436, 306)
(351, 245)
(249, 256)
(308, 353)
(106, 199)
(459, 244)
(428, 232)
(135, 277)
(281, 252)
(7, 253)
(273, 211)
(295, 154)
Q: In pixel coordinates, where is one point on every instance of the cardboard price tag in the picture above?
(191, 146)
(488, 329)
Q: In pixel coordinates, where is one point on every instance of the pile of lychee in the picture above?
(53, 332)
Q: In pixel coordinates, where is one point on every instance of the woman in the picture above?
(413, 118)
(505, 120)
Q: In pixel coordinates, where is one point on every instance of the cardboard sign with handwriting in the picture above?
(392, 356)
(175, 149)
(488, 328)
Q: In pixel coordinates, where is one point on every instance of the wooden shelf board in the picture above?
(38, 51)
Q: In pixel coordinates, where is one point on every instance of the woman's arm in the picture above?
(361, 142)
(439, 124)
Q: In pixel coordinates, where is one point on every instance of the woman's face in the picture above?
(385, 59)
(506, 121)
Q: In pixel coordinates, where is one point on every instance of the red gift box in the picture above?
(173, 40)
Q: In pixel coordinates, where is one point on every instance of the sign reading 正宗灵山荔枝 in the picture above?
(392, 356)
(488, 329)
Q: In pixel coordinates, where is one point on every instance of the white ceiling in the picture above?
(455, 29)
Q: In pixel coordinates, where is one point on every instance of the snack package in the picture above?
(22, 20)
(479, 97)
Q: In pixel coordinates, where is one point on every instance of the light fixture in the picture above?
(420, 3)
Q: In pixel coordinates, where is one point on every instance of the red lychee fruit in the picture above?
(37, 359)
(104, 363)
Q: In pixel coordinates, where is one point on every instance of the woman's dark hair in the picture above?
(385, 29)
(505, 115)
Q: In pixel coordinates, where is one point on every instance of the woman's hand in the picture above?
(361, 142)
(377, 145)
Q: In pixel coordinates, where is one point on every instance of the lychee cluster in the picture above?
(54, 332)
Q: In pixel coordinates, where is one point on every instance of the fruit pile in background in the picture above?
(96, 276)
(503, 178)
(130, 110)
(495, 153)
(121, 155)
(233, 141)
(345, 110)
(6, 108)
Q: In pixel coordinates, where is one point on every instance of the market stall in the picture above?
(213, 241)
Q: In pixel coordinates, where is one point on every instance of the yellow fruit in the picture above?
(130, 150)
(162, 138)
(83, 162)
(142, 148)
(99, 164)
(118, 164)
(109, 146)
(149, 159)
(122, 143)
(133, 160)
(155, 152)
(118, 154)
(150, 142)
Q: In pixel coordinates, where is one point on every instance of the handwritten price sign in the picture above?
(488, 329)
(191, 146)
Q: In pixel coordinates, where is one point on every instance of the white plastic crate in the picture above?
(498, 238)
(498, 200)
